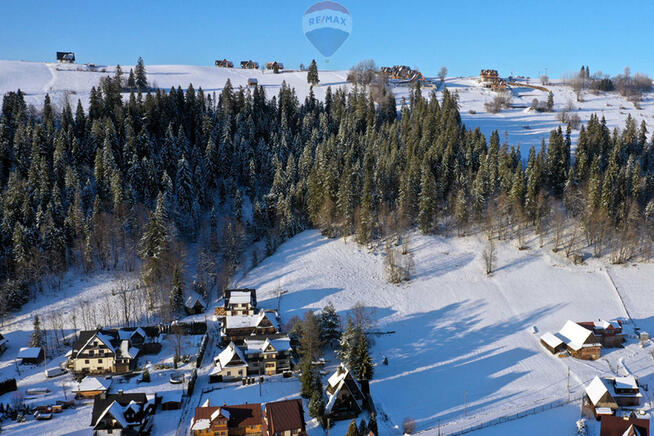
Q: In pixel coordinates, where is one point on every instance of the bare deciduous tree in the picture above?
(489, 255)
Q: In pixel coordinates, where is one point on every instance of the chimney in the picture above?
(120, 392)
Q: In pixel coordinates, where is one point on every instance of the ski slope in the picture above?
(517, 126)
(462, 349)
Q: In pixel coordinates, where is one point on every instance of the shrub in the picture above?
(499, 102)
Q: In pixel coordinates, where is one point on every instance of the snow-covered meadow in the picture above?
(518, 126)
(462, 348)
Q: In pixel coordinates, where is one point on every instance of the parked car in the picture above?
(176, 378)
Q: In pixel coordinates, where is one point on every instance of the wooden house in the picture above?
(237, 328)
(105, 352)
(224, 63)
(171, 400)
(598, 401)
(240, 302)
(284, 418)
(229, 365)
(122, 414)
(579, 341)
(249, 65)
(66, 57)
(552, 343)
(194, 304)
(237, 420)
(253, 82)
(625, 390)
(346, 399)
(491, 79)
(402, 73)
(31, 355)
(268, 356)
(91, 387)
(609, 333)
(274, 65)
(624, 426)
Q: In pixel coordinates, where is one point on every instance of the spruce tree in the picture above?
(141, 78)
(131, 80)
(330, 325)
(427, 200)
(177, 291)
(312, 74)
(317, 405)
(362, 366)
(307, 377)
(37, 334)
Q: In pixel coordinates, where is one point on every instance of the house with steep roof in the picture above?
(345, 397)
(624, 426)
(268, 356)
(229, 365)
(580, 342)
(122, 414)
(227, 420)
(240, 302)
(284, 418)
(625, 390)
(105, 351)
(598, 400)
(237, 328)
(194, 304)
(609, 333)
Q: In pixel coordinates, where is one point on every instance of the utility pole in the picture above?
(465, 403)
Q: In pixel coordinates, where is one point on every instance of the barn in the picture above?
(552, 343)
(580, 342)
(30, 355)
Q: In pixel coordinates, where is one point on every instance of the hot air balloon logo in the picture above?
(327, 25)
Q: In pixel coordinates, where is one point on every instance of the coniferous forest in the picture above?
(129, 183)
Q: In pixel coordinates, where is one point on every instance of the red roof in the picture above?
(617, 425)
(285, 415)
(241, 415)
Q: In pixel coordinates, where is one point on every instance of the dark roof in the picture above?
(617, 425)
(61, 55)
(285, 415)
(240, 415)
(100, 404)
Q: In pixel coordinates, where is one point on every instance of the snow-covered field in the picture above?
(519, 126)
(462, 350)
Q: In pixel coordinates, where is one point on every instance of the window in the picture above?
(99, 360)
(240, 372)
(86, 361)
(229, 373)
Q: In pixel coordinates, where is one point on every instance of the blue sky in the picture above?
(520, 37)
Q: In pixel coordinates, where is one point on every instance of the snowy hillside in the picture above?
(462, 343)
(518, 125)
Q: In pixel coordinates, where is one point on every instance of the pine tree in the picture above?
(317, 405)
(330, 325)
(312, 74)
(131, 80)
(141, 78)
(177, 291)
(363, 427)
(362, 365)
(372, 424)
(37, 334)
(550, 102)
(307, 377)
(346, 353)
(427, 200)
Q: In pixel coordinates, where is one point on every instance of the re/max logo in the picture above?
(327, 19)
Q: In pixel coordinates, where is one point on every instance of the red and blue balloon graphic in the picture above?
(327, 25)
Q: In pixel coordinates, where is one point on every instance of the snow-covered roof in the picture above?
(551, 340)
(105, 339)
(200, 424)
(193, 299)
(206, 403)
(168, 396)
(596, 389)
(240, 297)
(604, 411)
(134, 406)
(89, 384)
(226, 356)
(574, 335)
(220, 411)
(258, 345)
(29, 353)
(127, 351)
(116, 411)
(128, 334)
(241, 321)
(626, 382)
